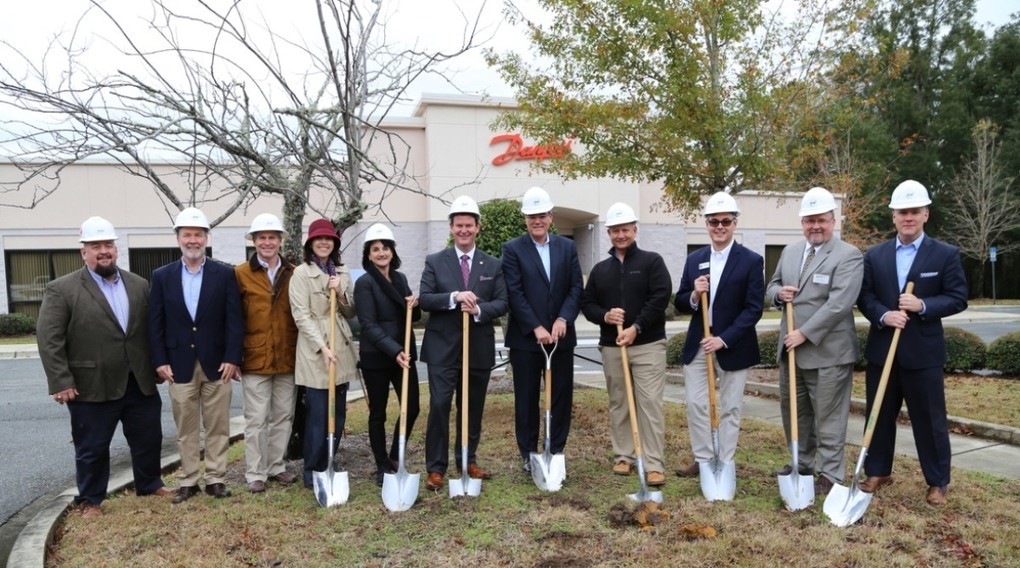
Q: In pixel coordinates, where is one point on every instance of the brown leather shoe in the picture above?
(823, 486)
(284, 477)
(693, 470)
(257, 486)
(163, 492)
(623, 467)
(90, 511)
(655, 479)
(873, 482)
(476, 472)
(937, 495)
(184, 493)
(435, 481)
(217, 490)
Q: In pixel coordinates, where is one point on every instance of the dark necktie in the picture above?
(807, 263)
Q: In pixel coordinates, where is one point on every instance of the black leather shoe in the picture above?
(526, 466)
(788, 469)
(379, 476)
(184, 493)
(217, 490)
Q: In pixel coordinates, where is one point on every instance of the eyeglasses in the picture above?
(724, 222)
(811, 222)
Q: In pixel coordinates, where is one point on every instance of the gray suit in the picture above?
(823, 312)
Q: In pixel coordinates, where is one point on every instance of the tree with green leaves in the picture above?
(700, 95)
(501, 221)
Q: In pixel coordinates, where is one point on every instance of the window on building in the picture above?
(28, 272)
(145, 261)
(772, 254)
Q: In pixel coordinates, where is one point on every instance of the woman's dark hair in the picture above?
(310, 254)
(366, 262)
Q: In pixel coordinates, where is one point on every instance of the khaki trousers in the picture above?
(648, 372)
(208, 401)
(268, 418)
(729, 400)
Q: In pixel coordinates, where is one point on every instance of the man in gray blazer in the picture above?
(822, 276)
(94, 346)
(459, 279)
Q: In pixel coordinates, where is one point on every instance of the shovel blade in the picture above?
(331, 487)
(645, 495)
(465, 486)
(845, 505)
(797, 491)
(718, 480)
(548, 471)
(400, 490)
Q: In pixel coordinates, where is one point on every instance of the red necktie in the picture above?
(465, 269)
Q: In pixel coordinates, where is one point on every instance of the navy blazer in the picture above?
(536, 299)
(214, 337)
(740, 298)
(939, 281)
(443, 334)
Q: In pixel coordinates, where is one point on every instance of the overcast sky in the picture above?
(30, 25)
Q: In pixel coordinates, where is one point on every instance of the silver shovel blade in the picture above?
(331, 487)
(548, 471)
(846, 505)
(718, 480)
(465, 486)
(797, 491)
(643, 493)
(400, 490)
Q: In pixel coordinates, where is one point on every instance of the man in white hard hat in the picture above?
(270, 341)
(631, 288)
(821, 276)
(734, 279)
(544, 284)
(196, 330)
(94, 346)
(459, 279)
(940, 290)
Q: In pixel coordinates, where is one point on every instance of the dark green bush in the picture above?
(16, 324)
(768, 342)
(862, 342)
(671, 313)
(1004, 354)
(675, 349)
(965, 351)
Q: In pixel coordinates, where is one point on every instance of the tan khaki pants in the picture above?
(197, 403)
(648, 372)
(268, 417)
(729, 401)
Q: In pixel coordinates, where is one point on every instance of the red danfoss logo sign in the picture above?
(516, 150)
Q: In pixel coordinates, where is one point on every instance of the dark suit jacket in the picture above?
(740, 298)
(214, 337)
(535, 299)
(81, 345)
(443, 334)
(939, 281)
(382, 313)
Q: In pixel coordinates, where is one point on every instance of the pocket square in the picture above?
(929, 274)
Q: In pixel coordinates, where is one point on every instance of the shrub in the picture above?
(16, 324)
(671, 313)
(768, 342)
(675, 349)
(1004, 354)
(965, 351)
(862, 343)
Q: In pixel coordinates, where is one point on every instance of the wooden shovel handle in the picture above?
(464, 382)
(631, 407)
(713, 412)
(332, 364)
(407, 371)
(793, 375)
(884, 380)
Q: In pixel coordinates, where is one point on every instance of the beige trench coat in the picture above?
(309, 303)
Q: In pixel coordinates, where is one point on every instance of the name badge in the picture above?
(704, 265)
(820, 278)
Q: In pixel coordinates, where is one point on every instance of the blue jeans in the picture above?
(317, 428)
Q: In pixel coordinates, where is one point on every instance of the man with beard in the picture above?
(94, 346)
(196, 331)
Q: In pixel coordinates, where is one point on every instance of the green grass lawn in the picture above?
(514, 524)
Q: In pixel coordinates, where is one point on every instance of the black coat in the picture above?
(382, 312)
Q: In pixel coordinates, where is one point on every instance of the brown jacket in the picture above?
(270, 334)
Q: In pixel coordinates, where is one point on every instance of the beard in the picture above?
(106, 271)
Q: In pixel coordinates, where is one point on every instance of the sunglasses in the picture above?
(724, 222)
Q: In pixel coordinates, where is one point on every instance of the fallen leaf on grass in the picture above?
(696, 532)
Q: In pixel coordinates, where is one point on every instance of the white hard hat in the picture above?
(817, 200)
(721, 202)
(464, 204)
(266, 222)
(908, 195)
(97, 229)
(379, 232)
(191, 217)
(536, 201)
(619, 214)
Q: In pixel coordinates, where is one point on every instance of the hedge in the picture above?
(1004, 354)
(16, 324)
(675, 349)
(965, 351)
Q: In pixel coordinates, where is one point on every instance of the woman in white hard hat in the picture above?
(383, 297)
(310, 288)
